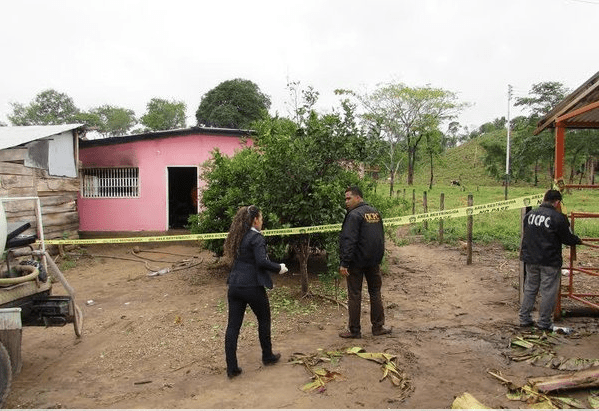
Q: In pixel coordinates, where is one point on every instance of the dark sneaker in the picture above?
(273, 359)
(234, 373)
(381, 331)
(527, 325)
(349, 334)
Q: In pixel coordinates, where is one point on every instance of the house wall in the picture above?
(22, 174)
(152, 157)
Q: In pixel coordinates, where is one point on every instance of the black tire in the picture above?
(5, 374)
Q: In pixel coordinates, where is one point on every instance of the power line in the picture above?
(596, 3)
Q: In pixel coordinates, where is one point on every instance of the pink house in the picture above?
(147, 182)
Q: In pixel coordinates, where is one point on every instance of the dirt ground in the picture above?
(157, 341)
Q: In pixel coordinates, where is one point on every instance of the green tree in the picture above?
(232, 104)
(108, 120)
(297, 174)
(494, 157)
(543, 97)
(404, 115)
(529, 154)
(433, 148)
(452, 137)
(48, 107)
(163, 114)
(535, 151)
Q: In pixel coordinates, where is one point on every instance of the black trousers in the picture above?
(354, 297)
(239, 298)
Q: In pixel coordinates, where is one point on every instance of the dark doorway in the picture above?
(182, 183)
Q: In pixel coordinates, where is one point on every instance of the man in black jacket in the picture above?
(361, 249)
(545, 230)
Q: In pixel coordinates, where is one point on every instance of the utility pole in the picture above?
(507, 150)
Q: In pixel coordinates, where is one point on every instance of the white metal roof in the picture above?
(17, 135)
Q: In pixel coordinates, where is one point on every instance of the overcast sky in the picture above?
(126, 52)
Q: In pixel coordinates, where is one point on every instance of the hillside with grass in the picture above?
(464, 164)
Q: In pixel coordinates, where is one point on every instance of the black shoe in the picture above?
(272, 359)
(349, 334)
(527, 325)
(381, 331)
(234, 373)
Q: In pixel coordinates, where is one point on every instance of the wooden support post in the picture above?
(441, 208)
(469, 233)
(413, 201)
(560, 132)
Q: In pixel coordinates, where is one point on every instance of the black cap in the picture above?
(552, 196)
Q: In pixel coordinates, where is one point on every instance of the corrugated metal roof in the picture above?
(17, 135)
(580, 109)
(233, 132)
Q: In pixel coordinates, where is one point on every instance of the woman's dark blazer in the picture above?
(251, 266)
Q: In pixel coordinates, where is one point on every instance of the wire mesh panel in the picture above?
(110, 182)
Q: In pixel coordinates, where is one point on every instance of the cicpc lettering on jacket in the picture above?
(539, 220)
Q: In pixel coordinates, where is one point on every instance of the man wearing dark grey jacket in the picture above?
(545, 230)
(361, 250)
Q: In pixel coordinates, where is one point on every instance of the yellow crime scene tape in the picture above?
(495, 207)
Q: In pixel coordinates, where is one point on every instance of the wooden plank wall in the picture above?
(58, 196)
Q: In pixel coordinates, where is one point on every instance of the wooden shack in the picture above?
(41, 161)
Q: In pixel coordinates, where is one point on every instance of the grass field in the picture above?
(465, 164)
(502, 227)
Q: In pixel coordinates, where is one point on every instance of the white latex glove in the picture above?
(283, 269)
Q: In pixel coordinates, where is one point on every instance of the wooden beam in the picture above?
(577, 112)
(582, 124)
(13, 154)
(15, 169)
(560, 133)
(576, 380)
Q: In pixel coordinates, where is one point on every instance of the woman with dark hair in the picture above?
(250, 274)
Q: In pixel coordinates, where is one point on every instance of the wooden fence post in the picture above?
(425, 204)
(469, 234)
(441, 208)
(413, 201)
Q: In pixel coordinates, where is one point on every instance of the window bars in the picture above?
(110, 182)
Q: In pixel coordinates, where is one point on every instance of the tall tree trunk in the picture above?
(430, 186)
(590, 170)
(411, 160)
(391, 183)
(304, 254)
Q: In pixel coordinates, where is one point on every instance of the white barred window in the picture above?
(110, 182)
